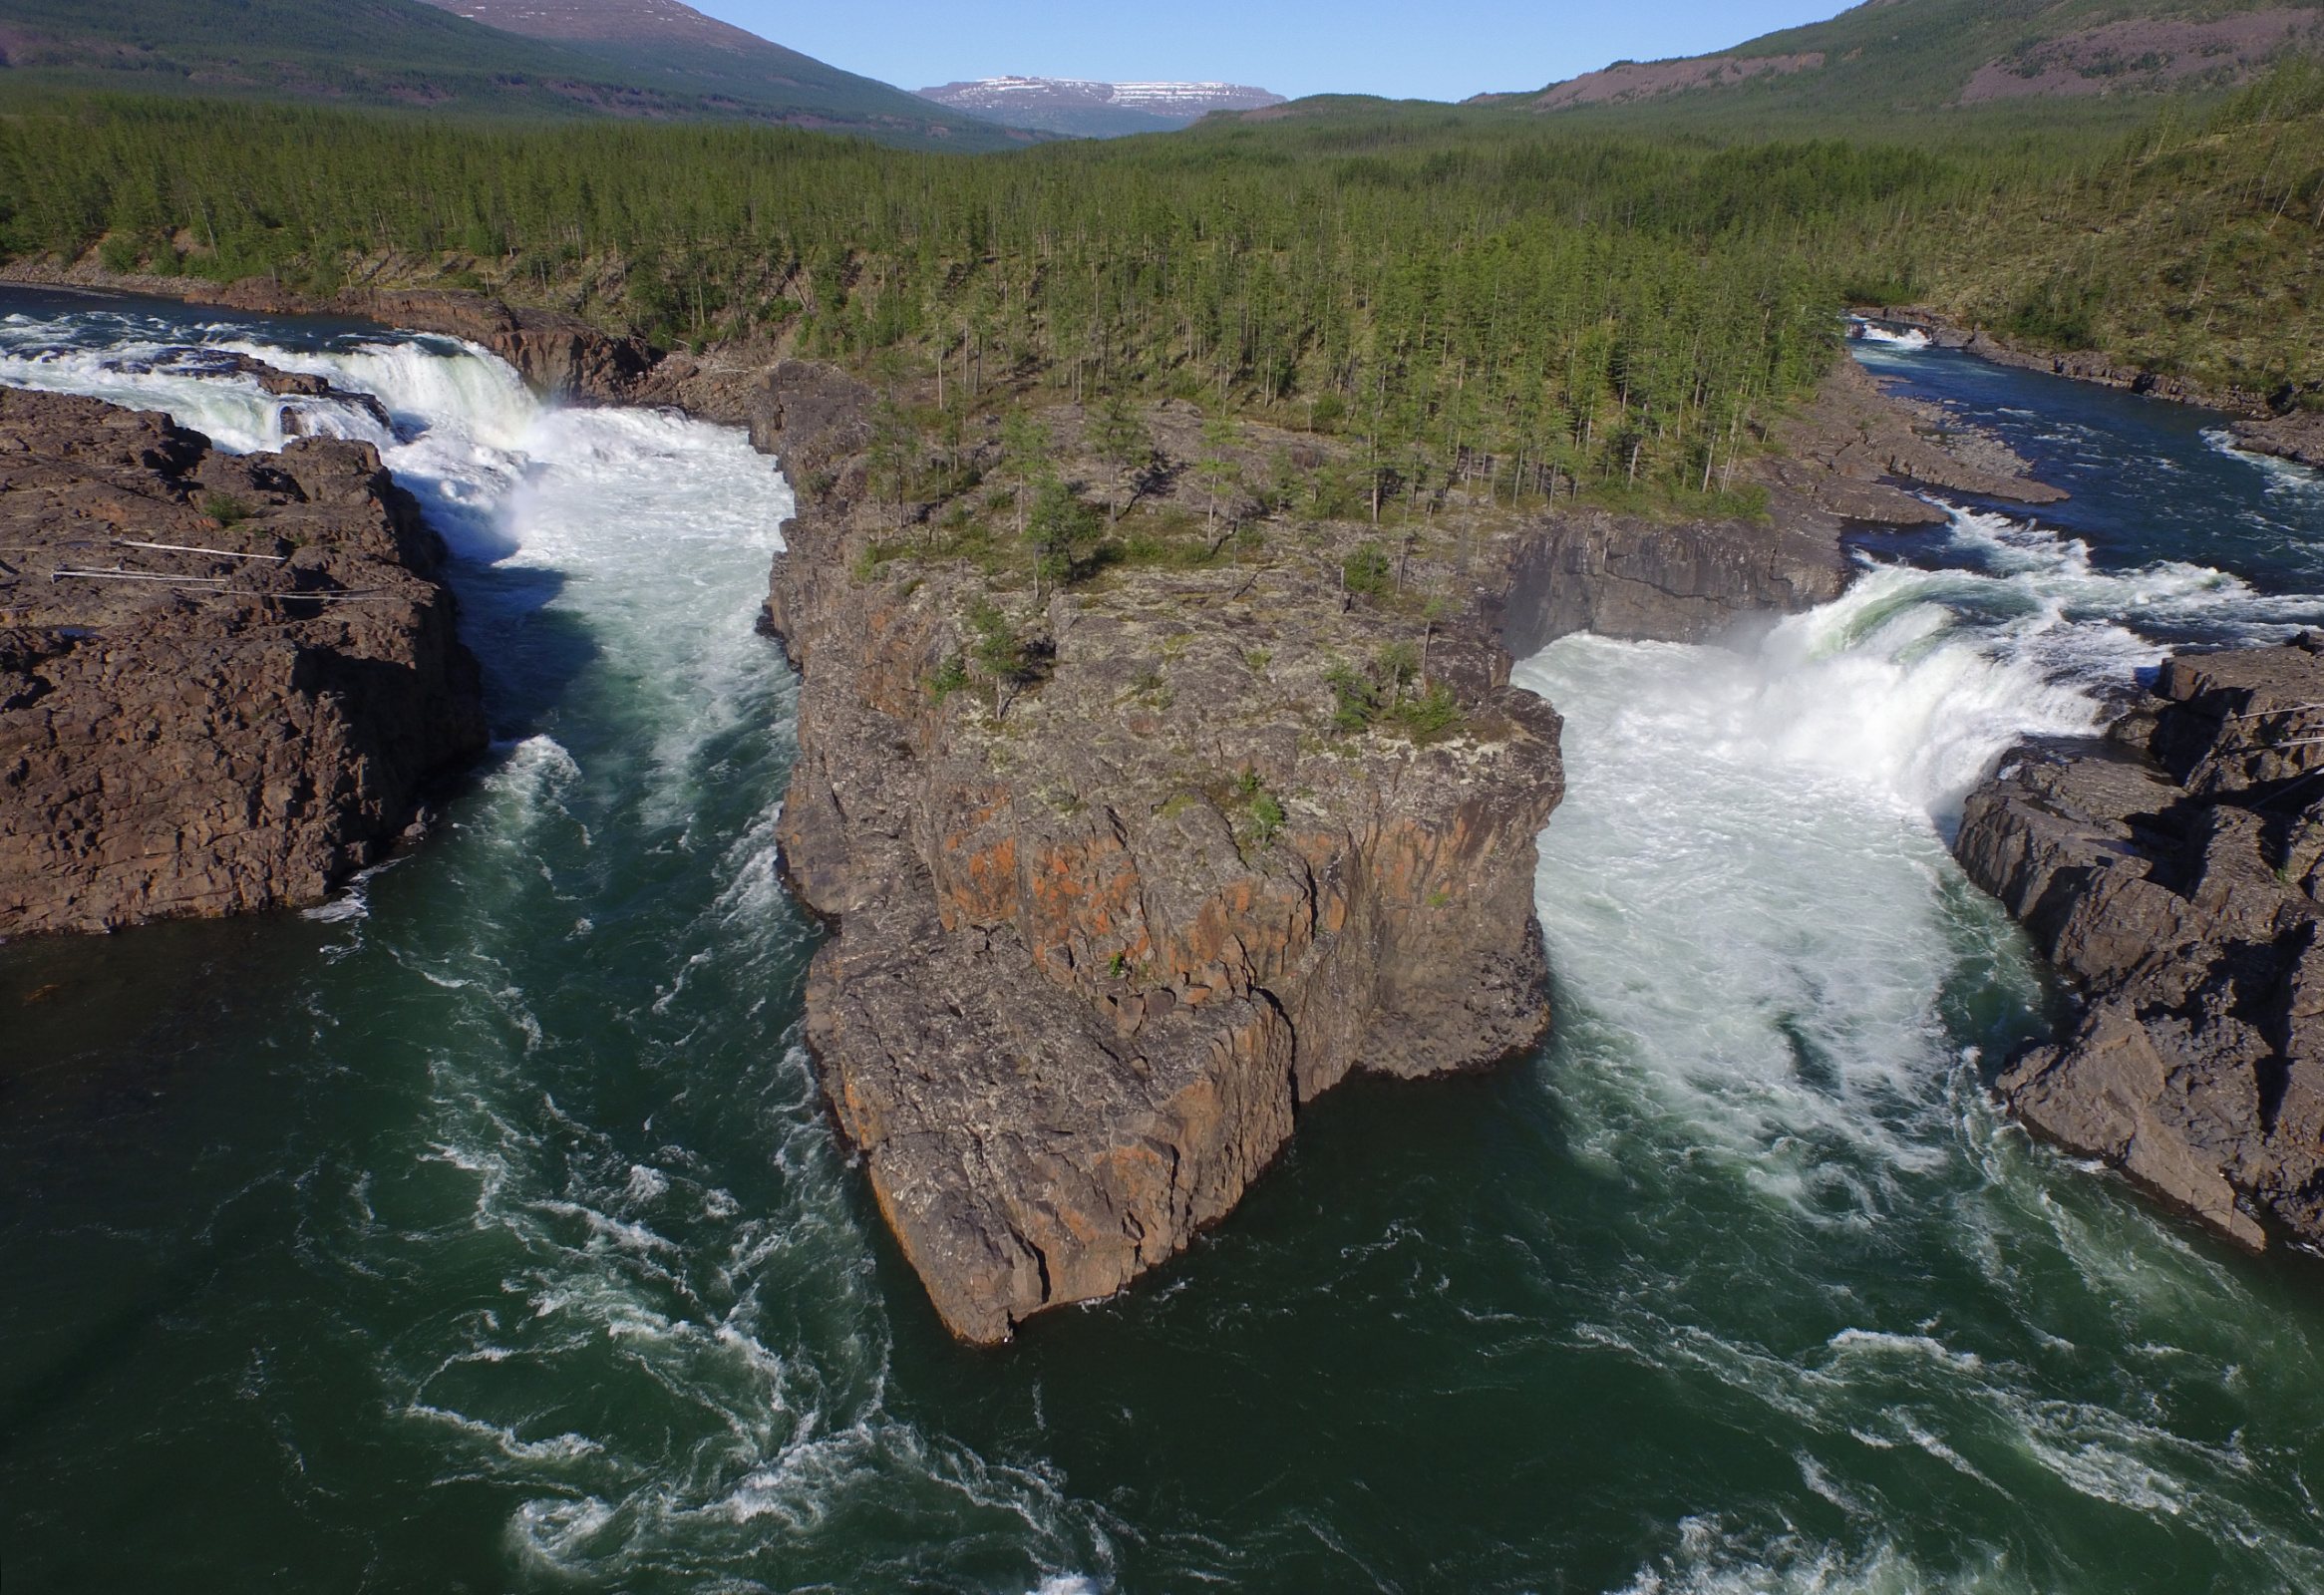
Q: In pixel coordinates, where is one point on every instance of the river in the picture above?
(480, 1230)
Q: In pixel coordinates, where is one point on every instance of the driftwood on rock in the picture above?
(233, 714)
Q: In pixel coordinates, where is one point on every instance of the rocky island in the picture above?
(1126, 867)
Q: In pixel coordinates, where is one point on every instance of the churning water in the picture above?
(480, 1231)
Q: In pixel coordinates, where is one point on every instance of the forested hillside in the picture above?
(413, 57)
(1626, 308)
(1887, 57)
(2190, 247)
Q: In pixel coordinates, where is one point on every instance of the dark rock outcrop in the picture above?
(2173, 872)
(235, 721)
(1106, 916)
(2296, 435)
(1687, 582)
(559, 356)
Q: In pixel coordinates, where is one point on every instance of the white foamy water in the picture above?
(1766, 963)
(1909, 338)
(1752, 851)
(2286, 477)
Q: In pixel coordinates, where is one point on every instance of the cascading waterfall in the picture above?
(1767, 958)
(484, 1228)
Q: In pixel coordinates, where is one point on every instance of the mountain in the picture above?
(1922, 55)
(544, 58)
(678, 49)
(1097, 110)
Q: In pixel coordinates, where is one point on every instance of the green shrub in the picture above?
(1376, 697)
(2055, 316)
(1427, 716)
(1368, 569)
(951, 675)
(1063, 533)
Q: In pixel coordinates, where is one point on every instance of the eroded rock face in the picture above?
(559, 356)
(2173, 870)
(2295, 434)
(1100, 935)
(1682, 582)
(200, 733)
(1847, 460)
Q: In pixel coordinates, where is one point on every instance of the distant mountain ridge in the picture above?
(654, 58)
(1925, 53)
(1092, 109)
(670, 43)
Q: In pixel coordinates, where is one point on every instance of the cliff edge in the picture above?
(224, 678)
(1125, 873)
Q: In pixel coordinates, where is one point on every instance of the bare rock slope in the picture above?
(2173, 870)
(237, 721)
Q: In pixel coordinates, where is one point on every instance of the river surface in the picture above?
(480, 1231)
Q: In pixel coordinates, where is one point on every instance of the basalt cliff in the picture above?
(2173, 869)
(1126, 866)
(223, 679)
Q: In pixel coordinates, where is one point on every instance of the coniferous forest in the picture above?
(1604, 305)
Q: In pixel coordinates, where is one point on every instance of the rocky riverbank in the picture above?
(236, 720)
(2081, 365)
(2296, 434)
(2284, 422)
(1126, 870)
(2173, 872)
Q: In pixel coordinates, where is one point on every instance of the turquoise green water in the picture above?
(487, 1235)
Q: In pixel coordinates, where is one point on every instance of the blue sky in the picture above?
(1442, 51)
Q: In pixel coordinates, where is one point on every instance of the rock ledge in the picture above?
(2173, 870)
